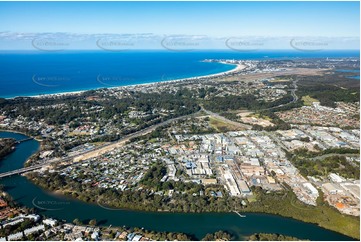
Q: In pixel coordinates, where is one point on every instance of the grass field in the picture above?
(222, 126)
(280, 80)
(307, 100)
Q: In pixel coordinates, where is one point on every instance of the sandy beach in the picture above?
(238, 67)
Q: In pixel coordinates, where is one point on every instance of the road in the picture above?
(97, 151)
(116, 144)
(273, 136)
(294, 96)
(19, 171)
(321, 157)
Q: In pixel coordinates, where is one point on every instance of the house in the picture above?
(34, 229)
(137, 237)
(49, 221)
(95, 236)
(17, 236)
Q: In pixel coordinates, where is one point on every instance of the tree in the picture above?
(93, 222)
(77, 221)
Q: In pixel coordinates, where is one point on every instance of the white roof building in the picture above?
(137, 237)
(331, 188)
(16, 236)
(49, 221)
(336, 178)
(95, 235)
(34, 217)
(311, 188)
(34, 229)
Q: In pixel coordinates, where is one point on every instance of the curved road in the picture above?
(294, 96)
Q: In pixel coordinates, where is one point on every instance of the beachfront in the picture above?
(238, 68)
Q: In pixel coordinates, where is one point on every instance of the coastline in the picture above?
(156, 83)
(237, 68)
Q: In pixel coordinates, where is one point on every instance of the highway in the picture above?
(19, 171)
(294, 98)
(113, 145)
(94, 152)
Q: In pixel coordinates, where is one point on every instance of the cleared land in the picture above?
(222, 126)
(307, 100)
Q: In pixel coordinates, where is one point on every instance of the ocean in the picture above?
(29, 73)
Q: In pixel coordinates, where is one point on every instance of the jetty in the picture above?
(241, 215)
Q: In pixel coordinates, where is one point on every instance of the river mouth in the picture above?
(58, 206)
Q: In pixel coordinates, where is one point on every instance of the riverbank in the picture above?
(270, 204)
(286, 204)
(6, 147)
(135, 218)
(283, 204)
(22, 133)
(28, 161)
(197, 224)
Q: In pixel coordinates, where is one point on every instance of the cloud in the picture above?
(22, 40)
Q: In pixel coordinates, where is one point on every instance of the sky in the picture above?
(179, 25)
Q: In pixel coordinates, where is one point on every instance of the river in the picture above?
(26, 193)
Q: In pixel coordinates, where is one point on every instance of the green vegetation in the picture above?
(6, 147)
(167, 236)
(76, 221)
(221, 126)
(310, 154)
(247, 101)
(322, 167)
(271, 237)
(324, 162)
(108, 114)
(329, 88)
(187, 197)
(160, 236)
(307, 100)
(219, 235)
(111, 106)
(93, 222)
(70, 111)
(285, 203)
(279, 124)
(11, 229)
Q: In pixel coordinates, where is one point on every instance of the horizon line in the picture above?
(179, 50)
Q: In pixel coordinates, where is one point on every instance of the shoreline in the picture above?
(237, 68)
(20, 132)
(29, 136)
(161, 211)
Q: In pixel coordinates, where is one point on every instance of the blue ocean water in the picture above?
(28, 73)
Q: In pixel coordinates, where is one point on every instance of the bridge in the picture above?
(23, 140)
(19, 171)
